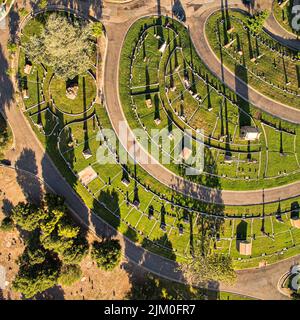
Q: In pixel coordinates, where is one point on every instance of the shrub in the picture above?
(42, 4)
(69, 274)
(107, 254)
(28, 216)
(76, 253)
(97, 29)
(256, 22)
(35, 279)
(7, 224)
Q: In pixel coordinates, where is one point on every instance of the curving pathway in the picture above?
(117, 20)
(197, 32)
(274, 28)
(116, 33)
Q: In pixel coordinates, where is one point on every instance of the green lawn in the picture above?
(84, 99)
(259, 60)
(189, 97)
(158, 205)
(283, 14)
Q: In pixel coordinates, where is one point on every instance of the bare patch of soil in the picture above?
(94, 284)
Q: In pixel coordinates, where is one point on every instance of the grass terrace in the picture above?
(136, 204)
(257, 59)
(283, 14)
(174, 90)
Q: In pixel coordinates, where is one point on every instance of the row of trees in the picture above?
(55, 247)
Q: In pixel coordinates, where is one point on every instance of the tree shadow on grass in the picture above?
(106, 208)
(295, 210)
(148, 286)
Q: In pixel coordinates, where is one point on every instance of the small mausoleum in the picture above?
(249, 133)
(245, 248)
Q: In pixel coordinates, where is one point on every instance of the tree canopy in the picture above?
(28, 216)
(213, 267)
(69, 274)
(107, 254)
(205, 264)
(256, 22)
(35, 279)
(52, 244)
(97, 29)
(63, 45)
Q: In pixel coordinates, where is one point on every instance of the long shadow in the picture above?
(7, 207)
(106, 206)
(55, 293)
(13, 23)
(93, 7)
(224, 11)
(6, 87)
(147, 286)
(156, 105)
(241, 233)
(39, 119)
(244, 107)
(85, 125)
(291, 43)
(29, 184)
(178, 10)
(295, 210)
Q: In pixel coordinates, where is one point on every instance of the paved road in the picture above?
(277, 31)
(25, 139)
(41, 165)
(197, 23)
(116, 33)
